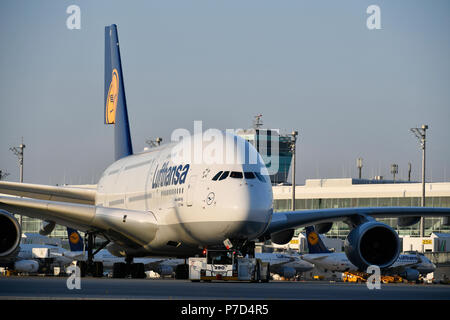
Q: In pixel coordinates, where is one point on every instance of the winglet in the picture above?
(115, 101)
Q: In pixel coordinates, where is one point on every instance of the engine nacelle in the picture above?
(46, 228)
(288, 272)
(323, 227)
(410, 274)
(282, 237)
(407, 221)
(29, 266)
(10, 234)
(372, 243)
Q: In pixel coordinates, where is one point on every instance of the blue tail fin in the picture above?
(115, 102)
(75, 240)
(315, 244)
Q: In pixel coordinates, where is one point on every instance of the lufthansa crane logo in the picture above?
(74, 238)
(111, 99)
(313, 238)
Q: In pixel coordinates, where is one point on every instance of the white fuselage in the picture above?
(185, 209)
(286, 260)
(56, 253)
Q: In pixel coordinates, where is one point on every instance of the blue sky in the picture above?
(312, 66)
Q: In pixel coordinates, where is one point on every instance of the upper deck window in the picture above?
(224, 175)
(236, 175)
(217, 175)
(249, 175)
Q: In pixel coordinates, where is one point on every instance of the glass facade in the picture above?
(275, 150)
(341, 230)
(33, 225)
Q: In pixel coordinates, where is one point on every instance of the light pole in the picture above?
(293, 141)
(359, 165)
(154, 143)
(3, 174)
(394, 170)
(409, 171)
(420, 133)
(18, 151)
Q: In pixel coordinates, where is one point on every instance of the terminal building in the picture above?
(347, 193)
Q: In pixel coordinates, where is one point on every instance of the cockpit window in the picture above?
(236, 174)
(224, 175)
(260, 177)
(249, 175)
(217, 175)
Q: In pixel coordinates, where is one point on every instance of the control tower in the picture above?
(274, 147)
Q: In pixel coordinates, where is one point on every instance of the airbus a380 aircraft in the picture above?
(156, 204)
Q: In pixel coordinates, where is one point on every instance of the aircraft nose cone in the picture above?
(250, 211)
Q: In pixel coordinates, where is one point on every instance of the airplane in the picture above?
(161, 202)
(409, 266)
(29, 259)
(285, 265)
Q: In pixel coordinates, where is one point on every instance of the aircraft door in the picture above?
(190, 191)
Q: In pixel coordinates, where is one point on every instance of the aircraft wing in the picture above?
(126, 227)
(74, 194)
(313, 257)
(63, 213)
(302, 218)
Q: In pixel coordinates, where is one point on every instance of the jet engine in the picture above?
(372, 243)
(26, 266)
(282, 237)
(410, 274)
(10, 234)
(46, 228)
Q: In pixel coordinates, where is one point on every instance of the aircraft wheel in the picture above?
(119, 270)
(83, 268)
(97, 269)
(182, 271)
(137, 271)
(267, 276)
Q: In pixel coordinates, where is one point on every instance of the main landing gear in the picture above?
(120, 269)
(91, 267)
(128, 268)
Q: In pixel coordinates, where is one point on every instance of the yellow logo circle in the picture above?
(74, 238)
(111, 99)
(313, 238)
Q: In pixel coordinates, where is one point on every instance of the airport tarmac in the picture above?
(107, 288)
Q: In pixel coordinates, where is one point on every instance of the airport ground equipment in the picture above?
(227, 265)
(361, 277)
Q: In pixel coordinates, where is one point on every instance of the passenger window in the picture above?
(224, 175)
(236, 174)
(217, 175)
(249, 175)
(260, 177)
